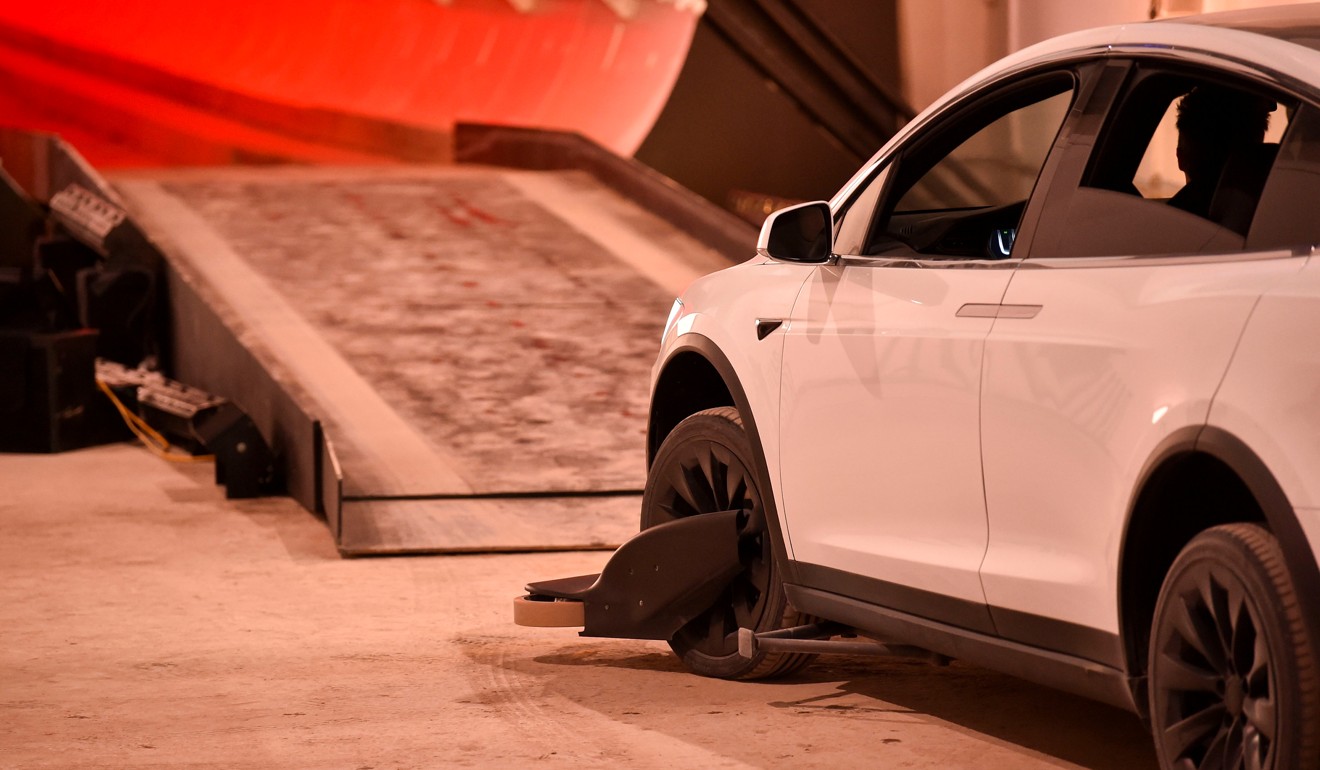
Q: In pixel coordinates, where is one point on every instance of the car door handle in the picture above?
(979, 310)
(1019, 311)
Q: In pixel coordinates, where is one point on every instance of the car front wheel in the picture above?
(705, 466)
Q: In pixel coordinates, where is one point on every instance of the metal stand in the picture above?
(826, 639)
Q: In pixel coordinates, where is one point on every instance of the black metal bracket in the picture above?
(244, 463)
(827, 638)
(199, 421)
(656, 582)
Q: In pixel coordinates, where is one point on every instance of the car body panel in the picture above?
(1269, 396)
(886, 375)
(724, 308)
(1123, 354)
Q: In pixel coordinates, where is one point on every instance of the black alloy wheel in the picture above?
(705, 466)
(1233, 678)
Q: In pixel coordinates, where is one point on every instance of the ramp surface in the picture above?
(476, 342)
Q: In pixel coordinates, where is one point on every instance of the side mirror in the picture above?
(801, 233)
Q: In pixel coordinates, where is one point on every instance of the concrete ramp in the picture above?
(474, 343)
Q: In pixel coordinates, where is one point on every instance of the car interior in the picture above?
(961, 193)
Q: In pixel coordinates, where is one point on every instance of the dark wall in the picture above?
(729, 126)
(868, 30)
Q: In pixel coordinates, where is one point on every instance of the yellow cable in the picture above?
(150, 437)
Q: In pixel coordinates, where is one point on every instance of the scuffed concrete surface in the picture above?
(150, 623)
(503, 335)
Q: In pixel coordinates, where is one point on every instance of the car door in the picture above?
(880, 460)
(1137, 306)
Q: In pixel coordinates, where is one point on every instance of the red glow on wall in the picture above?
(331, 80)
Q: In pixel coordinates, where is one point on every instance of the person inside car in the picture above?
(1215, 124)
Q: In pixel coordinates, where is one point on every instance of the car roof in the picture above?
(1298, 24)
(1283, 41)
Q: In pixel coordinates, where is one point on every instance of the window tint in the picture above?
(962, 190)
(1160, 175)
(1286, 214)
(1179, 169)
(995, 166)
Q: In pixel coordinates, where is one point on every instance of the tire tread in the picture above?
(1260, 549)
(1264, 547)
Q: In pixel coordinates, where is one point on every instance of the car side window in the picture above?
(960, 192)
(1179, 169)
(1285, 215)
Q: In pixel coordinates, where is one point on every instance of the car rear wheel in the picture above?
(1233, 678)
(705, 466)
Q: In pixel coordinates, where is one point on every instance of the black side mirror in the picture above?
(801, 233)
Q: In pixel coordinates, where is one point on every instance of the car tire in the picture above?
(704, 466)
(1233, 679)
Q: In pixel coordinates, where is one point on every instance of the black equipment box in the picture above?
(48, 396)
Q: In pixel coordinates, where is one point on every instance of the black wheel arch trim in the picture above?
(1181, 442)
(1279, 514)
(707, 349)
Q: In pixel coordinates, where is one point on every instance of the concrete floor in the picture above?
(151, 623)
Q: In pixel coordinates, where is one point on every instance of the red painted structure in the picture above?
(216, 81)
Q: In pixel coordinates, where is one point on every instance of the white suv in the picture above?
(1038, 389)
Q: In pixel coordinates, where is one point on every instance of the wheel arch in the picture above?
(1196, 479)
(695, 376)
